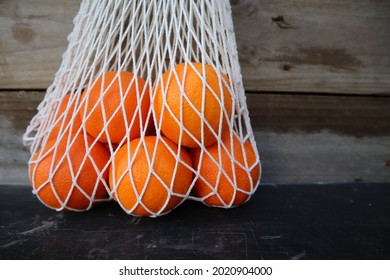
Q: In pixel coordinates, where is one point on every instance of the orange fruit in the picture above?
(116, 101)
(224, 183)
(58, 167)
(179, 118)
(159, 192)
(66, 120)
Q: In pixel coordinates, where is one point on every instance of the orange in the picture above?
(209, 96)
(224, 183)
(58, 167)
(66, 120)
(116, 101)
(132, 182)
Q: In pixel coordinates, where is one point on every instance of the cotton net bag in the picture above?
(147, 109)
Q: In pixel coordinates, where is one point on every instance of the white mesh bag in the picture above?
(147, 109)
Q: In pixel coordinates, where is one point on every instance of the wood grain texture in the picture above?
(301, 138)
(16, 110)
(313, 138)
(284, 46)
(358, 116)
(33, 37)
(314, 46)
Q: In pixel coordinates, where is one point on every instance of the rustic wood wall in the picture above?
(326, 46)
(317, 75)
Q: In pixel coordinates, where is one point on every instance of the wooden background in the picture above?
(326, 46)
(317, 75)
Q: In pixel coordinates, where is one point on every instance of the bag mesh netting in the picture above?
(148, 109)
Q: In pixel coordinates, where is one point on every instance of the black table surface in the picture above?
(336, 221)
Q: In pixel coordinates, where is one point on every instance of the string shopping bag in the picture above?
(147, 109)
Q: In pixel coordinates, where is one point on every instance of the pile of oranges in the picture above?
(148, 149)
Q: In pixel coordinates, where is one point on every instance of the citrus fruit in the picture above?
(63, 176)
(66, 120)
(224, 183)
(142, 192)
(186, 94)
(115, 101)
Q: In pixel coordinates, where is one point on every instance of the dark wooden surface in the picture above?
(335, 221)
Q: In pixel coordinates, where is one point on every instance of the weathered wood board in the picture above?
(284, 46)
(33, 37)
(314, 46)
(301, 138)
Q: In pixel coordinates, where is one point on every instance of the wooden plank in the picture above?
(314, 46)
(301, 138)
(348, 221)
(16, 110)
(357, 116)
(312, 138)
(294, 46)
(32, 41)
